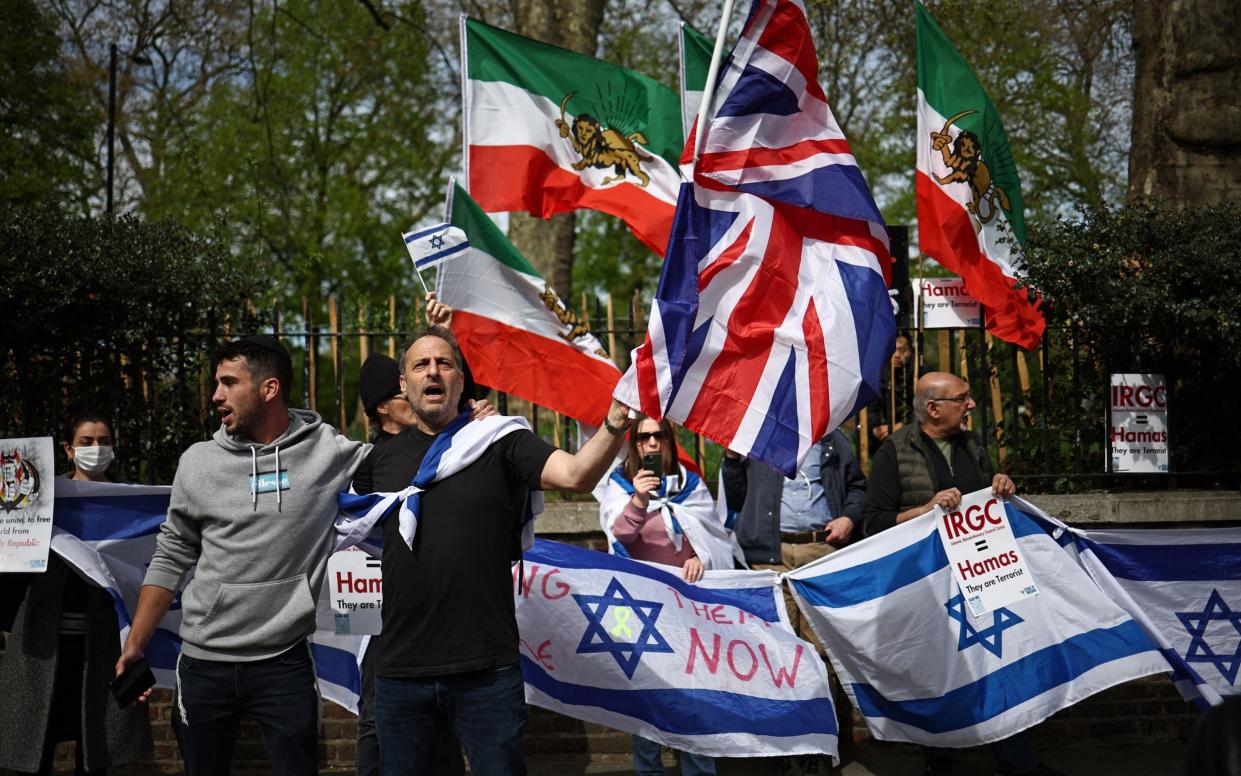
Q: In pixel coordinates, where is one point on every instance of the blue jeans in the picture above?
(646, 760)
(279, 692)
(487, 709)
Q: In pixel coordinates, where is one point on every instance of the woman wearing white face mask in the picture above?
(89, 448)
(62, 649)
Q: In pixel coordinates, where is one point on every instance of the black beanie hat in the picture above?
(379, 380)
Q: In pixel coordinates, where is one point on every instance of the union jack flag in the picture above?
(772, 321)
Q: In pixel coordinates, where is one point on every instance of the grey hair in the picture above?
(443, 333)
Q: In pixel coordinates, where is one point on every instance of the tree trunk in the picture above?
(572, 24)
(1186, 120)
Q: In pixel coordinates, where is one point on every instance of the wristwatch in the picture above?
(615, 430)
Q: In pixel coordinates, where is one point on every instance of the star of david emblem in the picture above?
(1199, 650)
(640, 637)
(437, 241)
(992, 639)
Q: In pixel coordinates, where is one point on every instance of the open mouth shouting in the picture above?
(435, 392)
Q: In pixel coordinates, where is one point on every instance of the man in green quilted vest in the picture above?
(931, 461)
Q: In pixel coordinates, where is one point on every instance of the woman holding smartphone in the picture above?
(654, 509)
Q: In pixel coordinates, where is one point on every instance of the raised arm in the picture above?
(581, 471)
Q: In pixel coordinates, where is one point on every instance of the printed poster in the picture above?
(27, 493)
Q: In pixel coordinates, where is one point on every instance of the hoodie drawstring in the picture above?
(254, 479)
(279, 495)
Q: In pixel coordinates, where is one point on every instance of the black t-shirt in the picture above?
(448, 603)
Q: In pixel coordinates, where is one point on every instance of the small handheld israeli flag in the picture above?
(428, 247)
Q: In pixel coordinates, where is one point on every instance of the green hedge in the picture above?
(93, 309)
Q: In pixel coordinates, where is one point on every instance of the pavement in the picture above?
(883, 759)
(1078, 758)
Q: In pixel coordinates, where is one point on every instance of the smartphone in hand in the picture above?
(654, 463)
(136, 680)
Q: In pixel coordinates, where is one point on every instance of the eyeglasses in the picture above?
(646, 436)
(964, 398)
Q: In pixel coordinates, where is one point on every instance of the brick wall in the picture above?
(1143, 711)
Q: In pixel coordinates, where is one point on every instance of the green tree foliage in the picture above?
(1149, 288)
(110, 314)
(313, 159)
(48, 122)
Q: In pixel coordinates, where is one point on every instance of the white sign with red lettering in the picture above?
(1139, 423)
(945, 304)
(982, 552)
(355, 587)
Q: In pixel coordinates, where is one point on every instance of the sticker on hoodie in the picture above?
(267, 482)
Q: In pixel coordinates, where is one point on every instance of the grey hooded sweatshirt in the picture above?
(258, 540)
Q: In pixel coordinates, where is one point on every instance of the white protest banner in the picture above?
(27, 492)
(710, 668)
(919, 668)
(354, 587)
(1138, 431)
(946, 304)
(982, 553)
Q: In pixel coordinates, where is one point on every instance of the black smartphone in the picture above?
(136, 680)
(654, 463)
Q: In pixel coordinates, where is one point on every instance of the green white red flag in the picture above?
(513, 329)
(970, 216)
(549, 130)
(695, 50)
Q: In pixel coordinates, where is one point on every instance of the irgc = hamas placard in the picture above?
(983, 553)
(27, 490)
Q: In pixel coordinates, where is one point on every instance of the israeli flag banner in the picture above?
(107, 533)
(710, 668)
(922, 669)
(428, 247)
(1184, 587)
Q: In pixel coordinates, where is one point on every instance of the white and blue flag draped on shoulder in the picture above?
(107, 533)
(710, 668)
(1184, 587)
(772, 322)
(921, 669)
(456, 447)
(688, 513)
(430, 246)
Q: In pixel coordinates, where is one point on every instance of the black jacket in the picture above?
(753, 489)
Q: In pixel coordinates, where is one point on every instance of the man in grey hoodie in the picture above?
(252, 512)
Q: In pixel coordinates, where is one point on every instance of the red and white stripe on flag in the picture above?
(772, 321)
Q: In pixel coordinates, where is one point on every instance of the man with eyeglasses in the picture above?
(930, 463)
(784, 524)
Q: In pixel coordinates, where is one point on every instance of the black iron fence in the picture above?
(1040, 413)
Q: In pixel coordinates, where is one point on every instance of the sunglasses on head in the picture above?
(645, 436)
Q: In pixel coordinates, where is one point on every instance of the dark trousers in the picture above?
(448, 761)
(486, 709)
(65, 719)
(279, 692)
